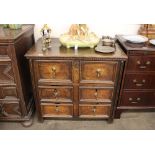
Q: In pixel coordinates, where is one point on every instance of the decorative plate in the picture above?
(135, 38)
(152, 41)
(105, 49)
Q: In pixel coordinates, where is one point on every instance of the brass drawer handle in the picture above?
(55, 93)
(94, 109)
(139, 84)
(148, 62)
(143, 66)
(134, 102)
(98, 72)
(57, 108)
(96, 94)
(53, 72)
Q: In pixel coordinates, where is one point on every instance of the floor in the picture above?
(128, 121)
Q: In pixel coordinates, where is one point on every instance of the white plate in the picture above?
(152, 41)
(135, 38)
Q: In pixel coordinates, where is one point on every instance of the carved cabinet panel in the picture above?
(16, 103)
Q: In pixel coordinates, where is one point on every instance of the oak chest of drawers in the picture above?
(75, 84)
(138, 86)
(15, 84)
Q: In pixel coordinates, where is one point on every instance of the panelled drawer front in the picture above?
(9, 109)
(8, 93)
(138, 98)
(4, 51)
(141, 63)
(98, 71)
(6, 73)
(96, 94)
(139, 81)
(90, 111)
(56, 93)
(54, 71)
(56, 110)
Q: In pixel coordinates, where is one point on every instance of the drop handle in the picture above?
(57, 109)
(98, 72)
(94, 109)
(96, 94)
(55, 93)
(53, 72)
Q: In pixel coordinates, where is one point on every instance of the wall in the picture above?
(99, 28)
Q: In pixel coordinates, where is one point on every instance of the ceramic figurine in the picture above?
(46, 37)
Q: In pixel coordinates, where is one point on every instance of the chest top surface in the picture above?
(58, 51)
(135, 47)
(8, 35)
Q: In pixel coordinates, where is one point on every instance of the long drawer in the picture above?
(56, 110)
(94, 111)
(141, 63)
(95, 94)
(56, 94)
(139, 81)
(138, 98)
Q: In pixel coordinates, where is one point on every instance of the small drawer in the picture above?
(4, 51)
(139, 81)
(141, 63)
(98, 72)
(8, 93)
(9, 109)
(138, 98)
(54, 71)
(6, 73)
(96, 111)
(96, 94)
(56, 110)
(56, 94)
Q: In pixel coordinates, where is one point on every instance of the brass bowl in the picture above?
(107, 42)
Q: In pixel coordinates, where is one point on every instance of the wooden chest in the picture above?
(15, 84)
(138, 87)
(75, 84)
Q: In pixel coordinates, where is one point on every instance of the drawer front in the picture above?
(98, 72)
(96, 94)
(9, 109)
(94, 111)
(8, 93)
(141, 63)
(139, 81)
(4, 51)
(54, 71)
(135, 98)
(56, 93)
(6, 73)
(56, 110)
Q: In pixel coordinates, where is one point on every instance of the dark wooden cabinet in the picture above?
(73, 84)
(16, 101)
(138, 86)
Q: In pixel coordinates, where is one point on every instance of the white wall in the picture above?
(99, 28)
